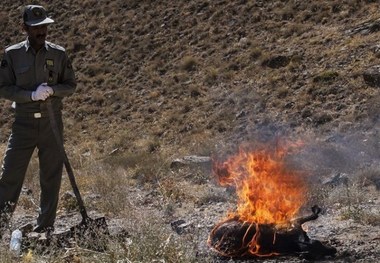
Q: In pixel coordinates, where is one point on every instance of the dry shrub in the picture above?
(294, 30)
(150, 242)
(282, 92)
(227, 75)
(121, 140)
(173, 118)
(212, 196)
(321, 118)
(30, 194)
(6, 255)
(154, 94)
(355, 198)
(319, 11)
(147, 167)
(326, 76)
(286, 13)
(111, 184)
(195, 91)
(361, 215)
(171, 190)
(255, 53)
(179, 77)
(369, 177)
(189, 63)
(149, 145)
(3, 20)
(148, 239)
(211, 75)
(111, 178)
(94, 69)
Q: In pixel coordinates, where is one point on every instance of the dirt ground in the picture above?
(173, 78)
(192, 222)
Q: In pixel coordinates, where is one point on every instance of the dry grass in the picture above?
(355, 200)
(211, 75)
(114, 180)
(189, 63)
(326, 76)
(156, 82)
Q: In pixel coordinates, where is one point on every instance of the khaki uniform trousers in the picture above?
(29, 133)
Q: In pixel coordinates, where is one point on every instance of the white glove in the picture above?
(46, 89)
(42, 92)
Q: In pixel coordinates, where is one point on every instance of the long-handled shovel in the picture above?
(88, 229)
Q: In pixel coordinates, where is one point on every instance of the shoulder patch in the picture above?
(16, 46)
(55, 46)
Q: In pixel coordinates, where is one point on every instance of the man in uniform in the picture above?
(30, 73)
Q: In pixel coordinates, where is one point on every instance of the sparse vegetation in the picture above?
(157, 81)
(188, 63)
(348, 196)
(326, 76)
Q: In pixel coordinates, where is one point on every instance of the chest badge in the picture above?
(49, 62)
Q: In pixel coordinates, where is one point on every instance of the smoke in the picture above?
(320, 155)
(340, 153)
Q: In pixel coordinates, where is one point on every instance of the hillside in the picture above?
(158, 80)
(180, 73)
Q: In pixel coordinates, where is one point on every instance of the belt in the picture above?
(31, 115)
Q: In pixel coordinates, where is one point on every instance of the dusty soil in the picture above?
(199, 78)
(354, 241)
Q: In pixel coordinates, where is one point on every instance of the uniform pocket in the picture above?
(23, 77)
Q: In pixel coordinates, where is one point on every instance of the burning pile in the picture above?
(269, 197)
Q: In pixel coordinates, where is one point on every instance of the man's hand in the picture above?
(42, 92)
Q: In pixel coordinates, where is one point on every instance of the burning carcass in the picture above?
(269, 197)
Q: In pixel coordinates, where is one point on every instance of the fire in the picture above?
(269, 193)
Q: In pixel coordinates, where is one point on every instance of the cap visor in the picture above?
(40, 22)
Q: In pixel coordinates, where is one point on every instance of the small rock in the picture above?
(338, 179)
(276, 62)
(188, 160)
(180, 226)
(372, 76)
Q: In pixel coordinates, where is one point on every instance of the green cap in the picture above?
(35, 15)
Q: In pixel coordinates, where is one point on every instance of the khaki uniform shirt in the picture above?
(22, 70)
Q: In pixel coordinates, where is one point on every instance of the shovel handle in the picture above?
(54, 126)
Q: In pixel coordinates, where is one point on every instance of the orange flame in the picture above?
(268, 192)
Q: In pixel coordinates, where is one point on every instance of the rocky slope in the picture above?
(180, 72)
(199, 77)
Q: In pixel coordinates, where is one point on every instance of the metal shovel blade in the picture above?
(91, 233)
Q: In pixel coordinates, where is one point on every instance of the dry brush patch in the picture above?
(352, 197)
(155, 81)
(122, 190)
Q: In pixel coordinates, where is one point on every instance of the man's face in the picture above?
(36, 35)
